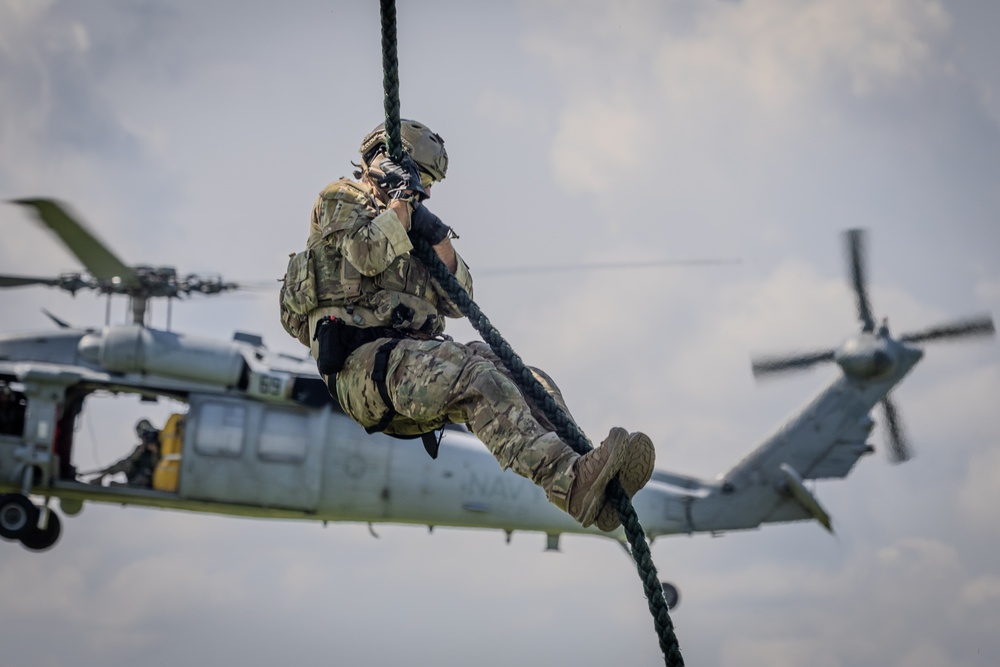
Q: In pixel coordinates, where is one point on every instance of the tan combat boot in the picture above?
(578, 484)
(595, 469)
(633, 476)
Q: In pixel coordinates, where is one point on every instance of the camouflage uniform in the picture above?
(431, 381)
(357, 268)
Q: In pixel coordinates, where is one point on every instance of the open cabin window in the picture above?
(283, 436)
(220, 429)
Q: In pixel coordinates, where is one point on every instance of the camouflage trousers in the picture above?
(434, 382)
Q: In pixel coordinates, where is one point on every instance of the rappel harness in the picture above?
(529, 385)
(338, 340)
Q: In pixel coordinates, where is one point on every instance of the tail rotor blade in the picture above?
(768, 365)
(977, 326)
(855, 244)
(899, 450)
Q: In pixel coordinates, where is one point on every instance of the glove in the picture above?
(429, 226)
(398, 179)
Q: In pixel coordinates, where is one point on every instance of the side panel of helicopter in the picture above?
(317, 460)
(246, 452)
(382, 479)
(468, 482)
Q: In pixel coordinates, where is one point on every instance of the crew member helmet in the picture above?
(425, 147)
(142, 427)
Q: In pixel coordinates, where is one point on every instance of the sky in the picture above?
(197, 134)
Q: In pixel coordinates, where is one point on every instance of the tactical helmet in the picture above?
(424, 146)
(142, 427)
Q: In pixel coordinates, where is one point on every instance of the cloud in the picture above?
(694, 96)
(594, 139)
(918, 604)
(505, 109)
(979, 494)
(781, 52)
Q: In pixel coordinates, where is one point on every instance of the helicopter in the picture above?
(260, 436)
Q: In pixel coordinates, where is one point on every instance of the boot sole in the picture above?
(635, 472)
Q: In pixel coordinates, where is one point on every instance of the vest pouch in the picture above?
(298, 294)
(403, 311)
(332, 345)
(297, 326)
(405, 275)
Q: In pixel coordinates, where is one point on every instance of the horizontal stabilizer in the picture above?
(798, 490)
(680, 481)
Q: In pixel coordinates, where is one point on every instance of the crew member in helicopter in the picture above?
(13, 407)
(374, 319)
(139, 465)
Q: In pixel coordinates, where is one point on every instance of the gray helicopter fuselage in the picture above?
(262, 438)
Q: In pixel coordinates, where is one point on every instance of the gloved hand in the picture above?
(429, 226)
(398, 180)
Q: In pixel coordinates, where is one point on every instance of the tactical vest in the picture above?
(402, 296)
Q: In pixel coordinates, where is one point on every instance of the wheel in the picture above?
(671, 595)
(39, 539)
(18, 516)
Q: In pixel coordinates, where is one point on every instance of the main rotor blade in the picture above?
(768, 365)
(979, 325)
(92, 253)
(601, 266)
(899, 450)
(855, 243)
(62, 324)
(21, 281)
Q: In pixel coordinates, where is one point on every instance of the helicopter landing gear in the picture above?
(19, 521)
(18, 516)
(670, 595)
(41, 539)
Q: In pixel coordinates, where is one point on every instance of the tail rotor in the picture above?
(871, 354)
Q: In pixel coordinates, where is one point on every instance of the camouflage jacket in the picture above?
(357, 266)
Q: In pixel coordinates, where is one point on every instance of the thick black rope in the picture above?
(390, 80)
(532, 388)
